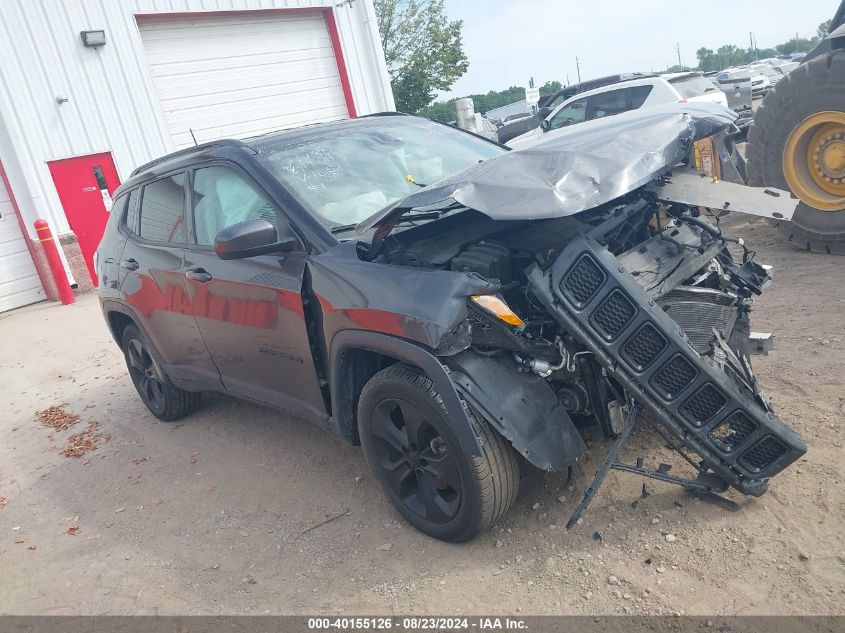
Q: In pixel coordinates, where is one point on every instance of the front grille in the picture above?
(651, 358)
(643, 347)
(764, 453)
(733, 431)
(673, 377)
(582, 281)
(703, 405)
(614, 313)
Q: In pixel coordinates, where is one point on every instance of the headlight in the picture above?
(494, 306)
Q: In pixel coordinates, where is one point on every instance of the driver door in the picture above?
(249, 310)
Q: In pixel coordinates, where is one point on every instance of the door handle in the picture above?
(129, 264)
(198, 274)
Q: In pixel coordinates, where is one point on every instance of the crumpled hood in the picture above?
(576, 168)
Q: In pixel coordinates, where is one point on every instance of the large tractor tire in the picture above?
(797, 142)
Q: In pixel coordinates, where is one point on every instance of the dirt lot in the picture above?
(207, 516)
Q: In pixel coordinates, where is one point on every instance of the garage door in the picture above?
(239, 75)
(19, 282)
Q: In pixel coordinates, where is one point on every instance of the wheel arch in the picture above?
(357, 355)
(118, 316)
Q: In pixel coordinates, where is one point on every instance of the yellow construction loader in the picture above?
(797, 142)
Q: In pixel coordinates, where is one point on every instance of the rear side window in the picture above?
(162, 210)
(607, 104)
(131, 219)
(693, 86)
(638, 95)
(223, 198)
(119, 206)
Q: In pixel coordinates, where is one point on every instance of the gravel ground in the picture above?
(208, 516)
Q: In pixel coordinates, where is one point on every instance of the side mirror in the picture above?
(545, 125)
(543, 112)
(254, 237)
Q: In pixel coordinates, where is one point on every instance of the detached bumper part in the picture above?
(761, 343)
(594, 299)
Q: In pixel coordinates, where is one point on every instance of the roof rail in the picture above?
(385, 113)
(184, 152)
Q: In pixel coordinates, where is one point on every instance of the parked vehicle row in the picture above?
(623, 95)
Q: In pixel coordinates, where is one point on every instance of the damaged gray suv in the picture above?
(453, 307)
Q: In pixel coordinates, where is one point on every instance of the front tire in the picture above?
(776, 146)
(412, 449)
(164, 399)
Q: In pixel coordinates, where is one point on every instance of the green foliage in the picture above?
(422, 48)
(823, 30)
(798, 45)
(445, 110)
(731, 55)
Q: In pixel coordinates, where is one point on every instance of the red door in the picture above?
(85, 185)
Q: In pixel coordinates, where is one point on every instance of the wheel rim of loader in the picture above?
(814, 161)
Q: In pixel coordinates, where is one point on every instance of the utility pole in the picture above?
(578, 68)
(678, 46)
(531, 85)
(753, 44)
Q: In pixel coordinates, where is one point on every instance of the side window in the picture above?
(638, 95)
(608, 103)
(572, 113)
(222, 197)
(131, 217)
(162, 205)
(118, 208)
(556, 101)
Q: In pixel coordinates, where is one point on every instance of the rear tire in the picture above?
(164, 399)
(414, 453)
(817, 86)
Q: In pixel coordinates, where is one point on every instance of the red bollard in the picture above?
(51, 252)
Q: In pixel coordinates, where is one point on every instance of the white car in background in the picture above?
(770, 72)
(760, 84)
(624, 96)
(786, 67)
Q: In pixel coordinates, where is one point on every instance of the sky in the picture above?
(508, 41)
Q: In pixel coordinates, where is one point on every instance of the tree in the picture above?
(824, 29)
(550, 87)
(706, 61)
(797, 45)
(422, 48)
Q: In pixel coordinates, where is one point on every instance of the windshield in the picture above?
(344, 174)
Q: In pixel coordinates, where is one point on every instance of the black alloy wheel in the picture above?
(145, 374)
(440, 486)
(415, 461)
(165, 400)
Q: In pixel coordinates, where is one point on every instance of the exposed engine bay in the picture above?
(636, 303)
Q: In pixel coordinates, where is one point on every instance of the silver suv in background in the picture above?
(624, 96)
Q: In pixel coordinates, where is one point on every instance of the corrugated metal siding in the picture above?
(112, 101)
(242, 75)
(19, 282)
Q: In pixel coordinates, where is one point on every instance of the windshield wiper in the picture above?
(411, 215)
(342, 228)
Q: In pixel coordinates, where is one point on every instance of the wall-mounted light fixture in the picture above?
(93, 39)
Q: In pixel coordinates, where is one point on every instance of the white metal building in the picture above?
(77, 115)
